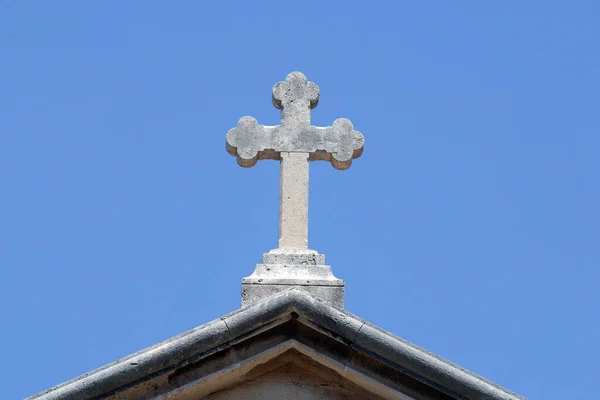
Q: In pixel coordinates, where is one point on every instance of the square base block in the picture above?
(281, 270)
(256, 291)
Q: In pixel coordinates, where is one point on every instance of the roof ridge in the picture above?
(258, 317)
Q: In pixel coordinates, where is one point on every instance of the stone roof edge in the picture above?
(246, 322)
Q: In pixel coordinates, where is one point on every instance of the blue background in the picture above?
(470, 226)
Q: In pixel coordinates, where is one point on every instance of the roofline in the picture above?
(247, 322)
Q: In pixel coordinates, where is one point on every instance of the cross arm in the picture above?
(250, 142)
(338, 144)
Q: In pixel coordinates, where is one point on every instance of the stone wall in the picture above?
(295, 381)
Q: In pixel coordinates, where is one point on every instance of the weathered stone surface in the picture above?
(290, 257)
(295, 96)
(294, 271)
(284, 269)
(293, 202)
(329, 292)
(238, 342)
(338, 143)
(294, 376)
(295, 142)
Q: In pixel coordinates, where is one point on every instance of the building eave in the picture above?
(245, 323)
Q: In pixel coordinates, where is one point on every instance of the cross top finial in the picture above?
(295, 96)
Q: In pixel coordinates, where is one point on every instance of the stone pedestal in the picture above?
(281, 270)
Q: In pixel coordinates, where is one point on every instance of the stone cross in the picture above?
(295, 142)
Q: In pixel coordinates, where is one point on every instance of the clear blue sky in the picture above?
(470, 226)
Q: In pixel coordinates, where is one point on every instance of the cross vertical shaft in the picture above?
(293, 201)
